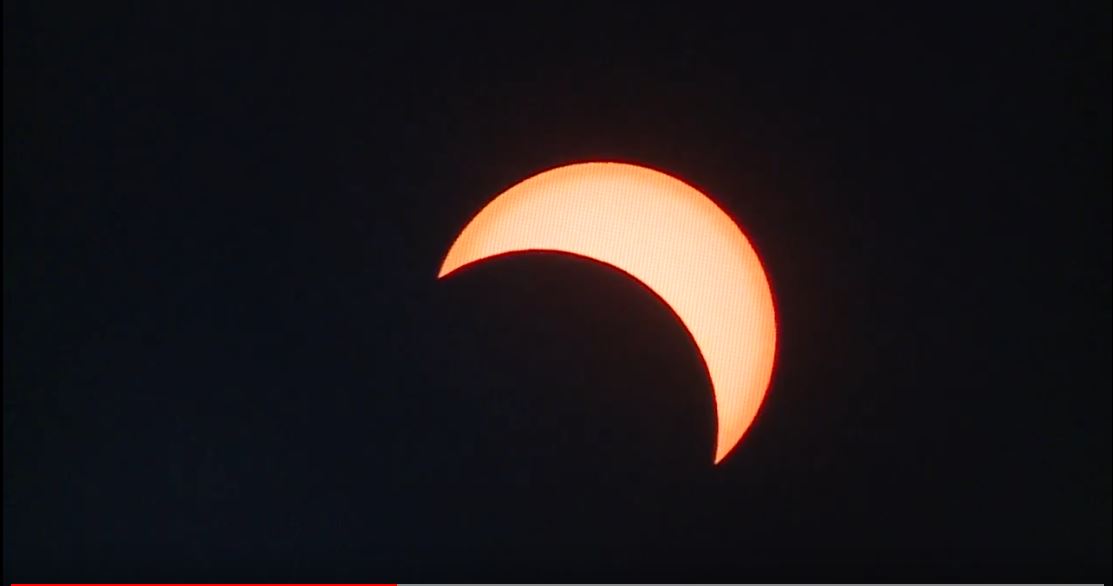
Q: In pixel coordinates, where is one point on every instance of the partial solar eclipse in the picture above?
(665, 234)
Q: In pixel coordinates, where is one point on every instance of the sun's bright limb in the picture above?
(667, 235)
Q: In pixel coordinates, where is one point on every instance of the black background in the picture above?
(227, 357)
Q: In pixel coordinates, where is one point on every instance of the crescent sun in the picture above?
(665, 234)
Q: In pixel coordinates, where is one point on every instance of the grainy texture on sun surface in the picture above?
(668, 236)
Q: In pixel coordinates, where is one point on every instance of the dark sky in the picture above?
(227, 356)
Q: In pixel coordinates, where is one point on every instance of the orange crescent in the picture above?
(664, 233)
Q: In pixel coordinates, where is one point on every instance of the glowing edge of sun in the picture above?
(665, 234)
